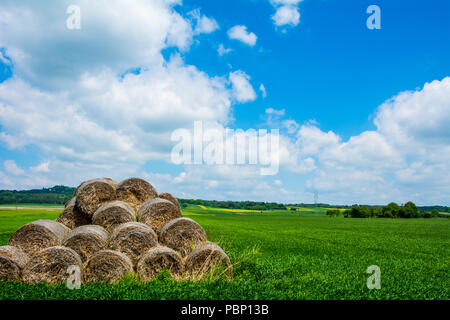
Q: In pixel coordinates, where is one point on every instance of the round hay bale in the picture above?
(206, 259)
(51, 265)
(135, 191)
(87, 181)
(72, 217)
(107, 266)
(157, 259)
(38, 235)
(170, 197)
(86, 240)
(92, 194)
(183, 235)
(133, 239)
(156, 213)
(12, 261)
(112, 214)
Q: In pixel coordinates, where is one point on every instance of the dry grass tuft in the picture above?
(206, 260)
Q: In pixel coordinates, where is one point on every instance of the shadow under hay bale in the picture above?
(51, 265)
(112, 214)
(156, 213)
(206, 260)
(170, 197)
(157, 259)
(12, 261)
(92, 194)
(183, 235)
(135, 192)
(133, 239)
(72, 217)
(107, 266)
(38, 235)
(87, 240)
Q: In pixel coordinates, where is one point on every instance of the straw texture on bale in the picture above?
(170, 197)
(182, 235)
(133, 239)
(205, 259)
(51, 265)
(156, 213)
(12, 261)
(72, 217)
(38, 235)
(87, 181)
(87, 240)
(157, 259)
(135, 191)
(107, 266)
(71, 202)
(112, 214)
(92, 194)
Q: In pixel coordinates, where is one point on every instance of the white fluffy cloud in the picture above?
(106, 117)
(12, 168)
(115, 35)
(241, 87)
(406, 158)
(73, 96)
(286, 15)
(203, 24)
(272, 111)
(240, 33)
(222, 50)
(287, 12)
(263, 90)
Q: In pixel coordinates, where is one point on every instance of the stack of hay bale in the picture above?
(109, 230)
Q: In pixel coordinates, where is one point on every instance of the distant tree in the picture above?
(426, 214)
(375, 212)
(390, 211)
(409, 210)
(434, 213)
(333, 213)
(360, 212)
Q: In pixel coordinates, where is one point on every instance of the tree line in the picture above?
(392, 210)
(54, 195)
(246, 205)
(61, 194)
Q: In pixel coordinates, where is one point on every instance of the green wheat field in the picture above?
(281, 255)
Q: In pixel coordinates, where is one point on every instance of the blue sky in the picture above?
(67, 112)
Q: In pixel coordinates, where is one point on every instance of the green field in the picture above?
(284, 255)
